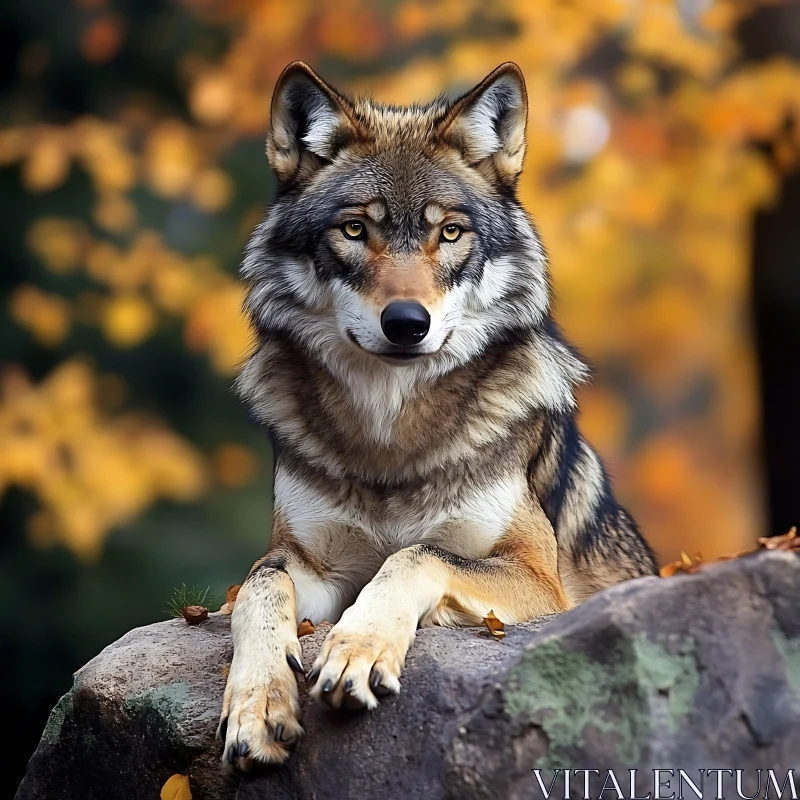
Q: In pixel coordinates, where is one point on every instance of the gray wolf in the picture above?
(419, 398)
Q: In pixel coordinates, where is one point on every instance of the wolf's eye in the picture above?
(353, 229)
(451, 233)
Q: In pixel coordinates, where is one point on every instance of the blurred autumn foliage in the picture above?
(651, 144)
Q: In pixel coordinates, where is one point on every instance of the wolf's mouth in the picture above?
(392, 356)
(401, 356)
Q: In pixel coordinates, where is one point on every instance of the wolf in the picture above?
(419, 398)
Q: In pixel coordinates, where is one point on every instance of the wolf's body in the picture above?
(428, 465)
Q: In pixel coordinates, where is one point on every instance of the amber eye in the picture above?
(451, 233)
(353, 229)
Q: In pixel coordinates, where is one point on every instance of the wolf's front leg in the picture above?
(363, 656)
(260, 710)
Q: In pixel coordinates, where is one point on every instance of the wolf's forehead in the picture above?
(400, 124)
(392, 184)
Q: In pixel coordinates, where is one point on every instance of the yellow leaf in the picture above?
(495, 626)
(176, 788)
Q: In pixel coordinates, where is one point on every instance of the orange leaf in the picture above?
(305, 628)
(230, 599)
(232, 593)
(495, 626)
(686, 564)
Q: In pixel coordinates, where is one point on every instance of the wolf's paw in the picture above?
(353, 668)
(260, 720)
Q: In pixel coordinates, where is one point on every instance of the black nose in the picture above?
(405, 322)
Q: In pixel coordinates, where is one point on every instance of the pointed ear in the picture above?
(487, 124)
(309, 122)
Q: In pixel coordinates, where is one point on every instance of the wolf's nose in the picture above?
(405, 322)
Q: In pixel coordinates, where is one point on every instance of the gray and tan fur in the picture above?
(428, 472)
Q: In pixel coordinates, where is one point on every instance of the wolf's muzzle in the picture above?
(405, 322)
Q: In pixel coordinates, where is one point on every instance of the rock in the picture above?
(695, 672)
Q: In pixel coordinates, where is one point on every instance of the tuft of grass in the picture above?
(184, 595)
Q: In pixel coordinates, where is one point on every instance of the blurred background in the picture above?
(663, 149)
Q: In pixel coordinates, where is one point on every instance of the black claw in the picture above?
(223, 729)
(232, 754)
(313, 675)
(243, 748)
(295, 664)
(348, 685)
(375, 680)
(328, 686)
(279, 731)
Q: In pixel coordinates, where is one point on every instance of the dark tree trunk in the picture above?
(773, 31)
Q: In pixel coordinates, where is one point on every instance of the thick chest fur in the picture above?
(347, 526)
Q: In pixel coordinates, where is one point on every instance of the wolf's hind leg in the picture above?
(260, 711)
(364, 653)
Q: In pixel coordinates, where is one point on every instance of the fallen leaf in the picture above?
(176, 788)
(305, 628)
(194, 614)
(230, 599)
(232, 593)
(495, 626)
(687, 565)
(788, 541)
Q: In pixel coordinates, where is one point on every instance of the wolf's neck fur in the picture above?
(369, 421)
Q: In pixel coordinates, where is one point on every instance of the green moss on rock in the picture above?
(569, 692)
(789, 650)
(55, 721)
(166, 701)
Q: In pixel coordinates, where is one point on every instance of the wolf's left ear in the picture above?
(309, 123)
(487, 124)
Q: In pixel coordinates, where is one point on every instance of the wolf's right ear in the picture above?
(487, 124)
(309, 123)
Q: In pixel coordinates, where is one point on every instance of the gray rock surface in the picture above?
(696, 672)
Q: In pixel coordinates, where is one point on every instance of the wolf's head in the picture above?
(396, 242)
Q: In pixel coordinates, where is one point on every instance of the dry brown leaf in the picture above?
(194, 614)
(687, 565)
(496, 627)
(788, 541)
(232, 593)
(176, 788)
(305, 628)
(230, 600)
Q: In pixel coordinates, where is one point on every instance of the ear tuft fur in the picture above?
(487, 124)
(309, 122)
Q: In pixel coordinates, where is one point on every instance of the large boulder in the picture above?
(695, 672)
